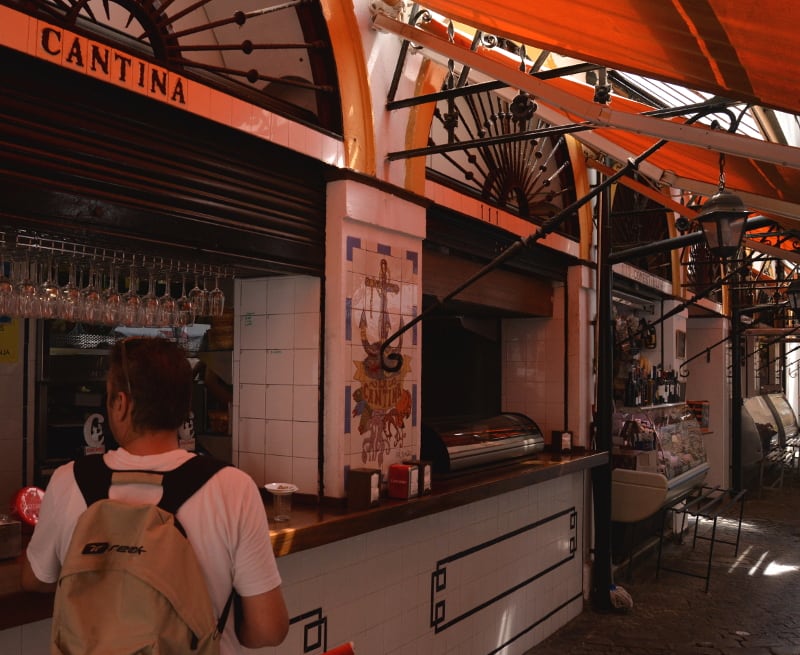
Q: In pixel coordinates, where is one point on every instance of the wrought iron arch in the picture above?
(500, 163)
(210, 41)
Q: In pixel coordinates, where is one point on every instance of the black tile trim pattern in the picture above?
(315, 632)
(438, 614)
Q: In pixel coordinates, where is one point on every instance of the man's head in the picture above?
(149, 383)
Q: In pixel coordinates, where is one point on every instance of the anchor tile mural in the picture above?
(381, 407)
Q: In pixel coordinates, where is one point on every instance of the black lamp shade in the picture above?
(723, 219)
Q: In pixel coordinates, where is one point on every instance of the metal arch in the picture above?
(151, 26)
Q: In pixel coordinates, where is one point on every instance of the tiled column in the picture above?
(373, 286)
(276, 379)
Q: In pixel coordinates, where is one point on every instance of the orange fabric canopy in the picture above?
(745, 50)
(768, 188)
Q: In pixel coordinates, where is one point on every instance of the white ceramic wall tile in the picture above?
(253, 465)
(278, 468)
(306, 367)
(279, 402)
(280, 295)
(252, 435)
(332, 153)
(305, 437)
(313, 144)
(352, 586)
(262, 124)
(253, 367)
(252, 401)
(306, 330)
(304, 474)
(306, 403)
(252, 296)
(307, 295)
(252, 331)
(279, 438)
(513, 350)
(280, 331)
(280, 130)
(280, 366)
(359, 265)
(299, 138)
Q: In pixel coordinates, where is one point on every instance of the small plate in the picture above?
(280, 488)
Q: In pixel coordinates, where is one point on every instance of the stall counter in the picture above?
(311, 527)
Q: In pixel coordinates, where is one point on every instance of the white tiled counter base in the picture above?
(496, 576)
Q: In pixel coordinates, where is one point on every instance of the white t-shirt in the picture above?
(225, 522)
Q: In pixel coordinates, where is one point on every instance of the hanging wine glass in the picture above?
(199, 296)
(148, 308)
(112, 298)
(7, 297)
(49, 293)
(216, 299)
(167, 306)
(27, 289)
(131, 301)
(69, 304)
(184, 314)
(91, 304)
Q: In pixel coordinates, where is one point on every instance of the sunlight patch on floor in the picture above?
(739, 559)
(755, 567)
(773, 568)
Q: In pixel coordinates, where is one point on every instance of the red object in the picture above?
(344, 649)
(403, 481)
(27, 503)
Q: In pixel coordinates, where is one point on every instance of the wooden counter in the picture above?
(312, 526)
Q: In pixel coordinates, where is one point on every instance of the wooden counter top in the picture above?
(310, 527)
(313, 526)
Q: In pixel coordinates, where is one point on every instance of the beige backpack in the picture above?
(130, 583)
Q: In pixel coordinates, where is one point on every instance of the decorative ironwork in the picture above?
(223, 47)
(529, 176)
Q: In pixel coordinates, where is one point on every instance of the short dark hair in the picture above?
(157, 375)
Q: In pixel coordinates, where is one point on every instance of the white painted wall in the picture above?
(708, 380)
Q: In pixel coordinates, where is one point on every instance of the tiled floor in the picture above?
(751, 607)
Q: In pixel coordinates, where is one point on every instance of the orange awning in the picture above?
(743, 49)
(765, 185)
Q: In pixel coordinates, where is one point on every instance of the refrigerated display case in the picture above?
(659, 456)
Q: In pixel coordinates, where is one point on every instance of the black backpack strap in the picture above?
(181, 483)
(93, 477)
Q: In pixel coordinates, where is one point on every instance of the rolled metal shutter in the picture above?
(82, 158)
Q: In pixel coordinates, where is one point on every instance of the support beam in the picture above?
(597, 114)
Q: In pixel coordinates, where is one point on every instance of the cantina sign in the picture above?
(98, 60)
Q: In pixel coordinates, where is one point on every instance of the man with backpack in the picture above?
(125, 570)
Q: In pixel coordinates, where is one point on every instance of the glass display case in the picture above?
(658, 455)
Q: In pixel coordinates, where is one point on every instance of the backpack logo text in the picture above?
(101, 548)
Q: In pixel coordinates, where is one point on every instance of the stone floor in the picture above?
(752, 606)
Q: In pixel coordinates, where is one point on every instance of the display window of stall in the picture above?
(640, 379)
(72, 357)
